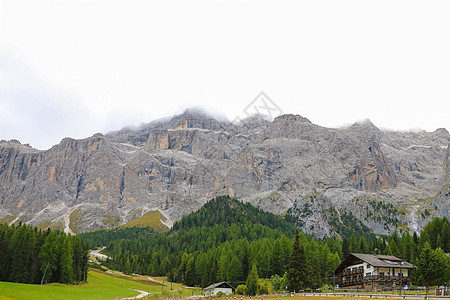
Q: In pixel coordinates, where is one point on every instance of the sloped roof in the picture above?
(386, 261)
(222, 284)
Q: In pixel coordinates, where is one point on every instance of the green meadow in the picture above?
(100, 285)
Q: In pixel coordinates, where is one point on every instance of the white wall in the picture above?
(217, 290)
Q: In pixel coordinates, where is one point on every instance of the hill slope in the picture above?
(222, 229)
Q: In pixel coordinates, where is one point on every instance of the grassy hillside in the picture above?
(150, 219)
(100, 285)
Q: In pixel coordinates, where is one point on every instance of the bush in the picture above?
(278, 283)
(241, 289)
(264, 287)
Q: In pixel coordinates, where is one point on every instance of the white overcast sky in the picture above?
(74, 68)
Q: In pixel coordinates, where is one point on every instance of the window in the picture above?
(369, 266)
(368, 273)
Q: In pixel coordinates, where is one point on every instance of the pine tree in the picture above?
(21, 248)
(445, 236)
(77, 259)
(66, 260)
(354, 245)
(429, 271)
(235, 270)
(48, 256)
(127, 266)
(443, 267)
(345, 248)
(224, 263)
(363, 245)
(200, 267)
(252, 281)
(277, 259)
(190, 277)
(296, 273)
(333, 261)
(4, 251)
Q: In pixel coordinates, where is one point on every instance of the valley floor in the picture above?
(100, 285)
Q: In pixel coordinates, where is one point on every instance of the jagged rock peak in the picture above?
(198, 118)
(365, 123)
(447, 165)
(441, 132)
(253, 122)
(16, 144)
(291, 117)
(176, 164)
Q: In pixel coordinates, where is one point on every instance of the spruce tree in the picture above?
(252, 281)
(428, 270)
(345, 248)
(4, 251)
(66, 260)
(277, 259)
(48, 256)
(234, 270)
(21, 248)
(190, 277)
(296, 273)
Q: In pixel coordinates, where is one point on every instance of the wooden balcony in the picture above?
(352, 272)
(361, 279)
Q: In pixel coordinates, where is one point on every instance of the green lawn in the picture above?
(100, 285)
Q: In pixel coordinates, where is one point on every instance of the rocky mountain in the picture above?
(325, 178)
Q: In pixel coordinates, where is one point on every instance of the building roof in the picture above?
(386, 261)
(222, 284)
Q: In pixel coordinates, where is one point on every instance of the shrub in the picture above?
(241, 289)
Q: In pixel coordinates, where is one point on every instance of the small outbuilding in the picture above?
(215, 288)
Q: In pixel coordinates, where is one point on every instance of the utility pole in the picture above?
(401, 277)
(334, 283)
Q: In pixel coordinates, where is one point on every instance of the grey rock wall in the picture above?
(176, 165)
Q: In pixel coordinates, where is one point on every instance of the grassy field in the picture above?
(100, 285)
(149, 219)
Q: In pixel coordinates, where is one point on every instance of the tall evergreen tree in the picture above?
(353, 244)
(296, 273)
(277, 260)
(345, 248)
(431, 267)
(49, 256)
(66, 260)
(21, 248)
(235, 270)
(252, 281)
(4, 251)
(190, 277)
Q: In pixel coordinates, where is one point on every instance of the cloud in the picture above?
(33, 110)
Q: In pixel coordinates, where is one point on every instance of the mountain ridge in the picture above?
(176, 165)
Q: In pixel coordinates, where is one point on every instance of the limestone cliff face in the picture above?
(178, 164)
(447, 165)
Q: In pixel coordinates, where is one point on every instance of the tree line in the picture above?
(31, 255)
(227, 240)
